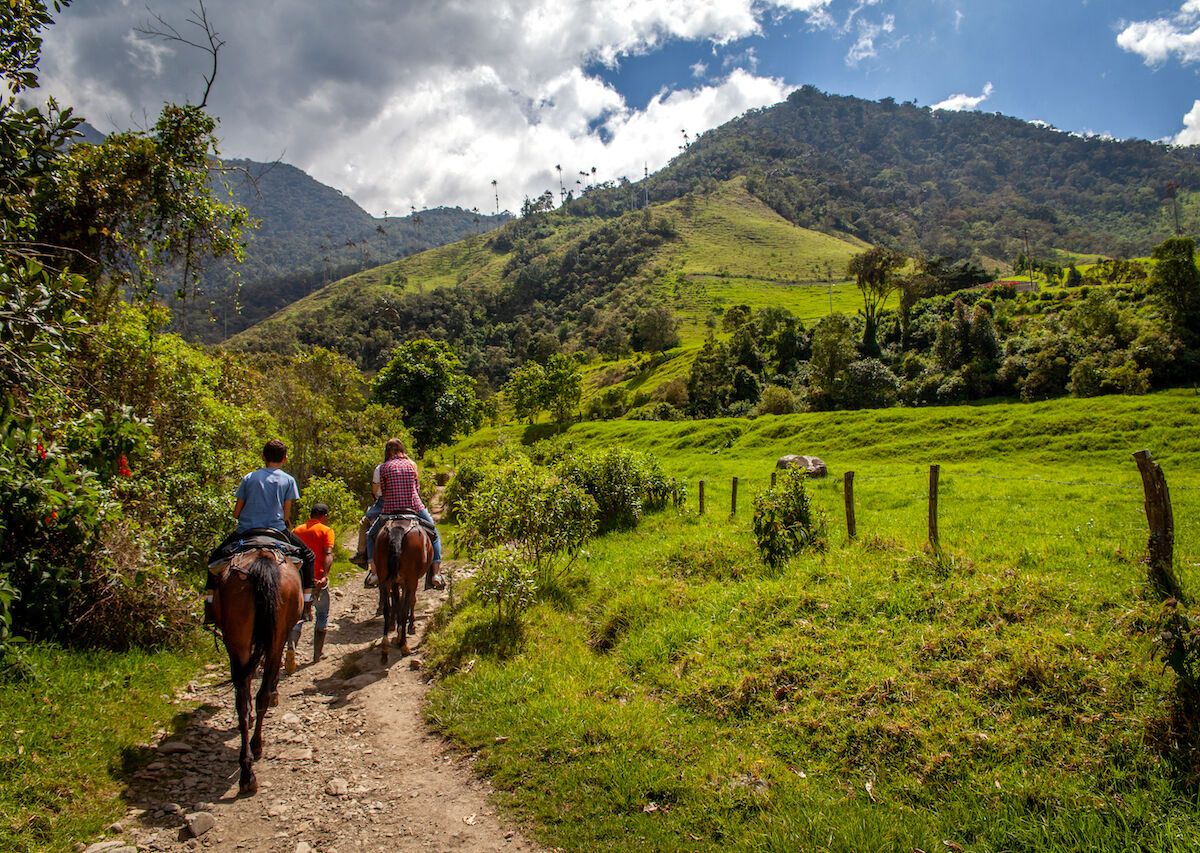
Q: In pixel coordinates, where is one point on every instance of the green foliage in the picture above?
(425, 382)
(546, 519)
(526, 391)
(1176, 281)
(616, 479)
(505, 581)
(776, 400)
(467, 478)
(874, 272)
(784, 520)
(344, 510)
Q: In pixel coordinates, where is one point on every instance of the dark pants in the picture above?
(226, 548)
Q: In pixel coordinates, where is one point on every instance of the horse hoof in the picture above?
(248, 789)
(412, 630)
(274, 699)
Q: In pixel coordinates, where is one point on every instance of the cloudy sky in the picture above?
(403, 103)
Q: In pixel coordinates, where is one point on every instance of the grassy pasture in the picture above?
(1000, 695)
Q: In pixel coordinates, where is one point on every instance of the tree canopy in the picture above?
(425, 381)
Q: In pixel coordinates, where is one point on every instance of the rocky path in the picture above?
(349, 763)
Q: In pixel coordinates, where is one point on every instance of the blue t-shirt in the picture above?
(264, 492)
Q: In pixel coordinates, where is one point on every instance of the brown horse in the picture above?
(403, 552)
(258, 600)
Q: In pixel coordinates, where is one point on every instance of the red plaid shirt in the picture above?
(398, 477)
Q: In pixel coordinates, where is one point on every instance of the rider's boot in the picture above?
(433, 578)
(318, 643)
(289, 663)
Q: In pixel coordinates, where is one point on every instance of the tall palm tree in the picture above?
(562, 192)
(497, 192)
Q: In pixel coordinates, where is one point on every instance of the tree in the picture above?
(874, 273)
(425, 381)
(526, 390)
(1177, 282)
(832, 353)
(709, 382)
(564, 386)
(654, 330)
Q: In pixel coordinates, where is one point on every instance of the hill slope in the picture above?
(495, 295)
(310, 234)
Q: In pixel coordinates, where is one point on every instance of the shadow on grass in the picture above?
(1175, 734)
(498, 639)
(537, 432)
(563, 592)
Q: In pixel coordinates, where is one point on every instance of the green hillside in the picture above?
(727, 248)
(1001, 694)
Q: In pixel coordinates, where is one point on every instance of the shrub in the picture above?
(616, 479)
(776, 400)
(462, 485)
(503, 579)
(655, 412)
(1178, 644)
(869, 384)
(545, 519)
(784, 521)
(344, 510)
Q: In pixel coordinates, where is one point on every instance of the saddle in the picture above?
(252, 549)
(409, 520)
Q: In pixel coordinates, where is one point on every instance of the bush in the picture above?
(655, 412)
(462, 485)
(784, 521)
(544, 518)
(502, 579)
(776, 400)
(617, 480)
(344, 509)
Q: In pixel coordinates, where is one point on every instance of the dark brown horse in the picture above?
(258, 600)
(403, 552)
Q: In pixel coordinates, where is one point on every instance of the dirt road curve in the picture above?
(349, 764)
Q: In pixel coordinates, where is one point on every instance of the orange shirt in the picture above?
(317, 537)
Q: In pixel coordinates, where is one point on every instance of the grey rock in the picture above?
(170, 808)
(116, 828)
(104, 846)
(302, 847)
(199, 823)
(174, 747)
(811, 465)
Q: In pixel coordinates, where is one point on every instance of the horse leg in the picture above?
(385, 600)
(247, 783)
(268, 697)
(401, 613)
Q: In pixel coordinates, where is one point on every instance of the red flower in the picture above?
(51, 518)
(41, 451)
(123, 467)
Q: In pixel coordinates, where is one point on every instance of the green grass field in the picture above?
(1000, 695)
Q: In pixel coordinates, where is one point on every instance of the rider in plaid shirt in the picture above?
(400, 483)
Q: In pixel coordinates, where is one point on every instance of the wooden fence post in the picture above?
(848, 492)
(772, 479)
(733, 498)
(934, 471)
(1161, 519)
(702, 497)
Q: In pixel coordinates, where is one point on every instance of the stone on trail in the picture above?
(299, 753)
(104, 846)
(337, 787)
(290, 719)
(173, 747)
(199, 823)
(302, 847)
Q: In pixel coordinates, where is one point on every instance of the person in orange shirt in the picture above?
(319, 538)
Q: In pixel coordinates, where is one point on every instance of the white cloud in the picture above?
(864, 46)
(1158, 39)
(1190, 135)
(957, 103)
(698, 69)
(958, 19)
(415, 103)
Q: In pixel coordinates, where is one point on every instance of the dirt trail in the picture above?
(349, 763)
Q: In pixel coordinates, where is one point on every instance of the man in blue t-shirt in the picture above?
(264, 502)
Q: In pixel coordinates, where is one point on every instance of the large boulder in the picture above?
(811, 465)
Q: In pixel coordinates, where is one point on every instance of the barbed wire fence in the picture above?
(1159, 526)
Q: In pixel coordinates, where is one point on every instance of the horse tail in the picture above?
(264, 574)
(396, 535)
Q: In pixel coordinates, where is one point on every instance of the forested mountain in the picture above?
(949, 183)
(310, 234)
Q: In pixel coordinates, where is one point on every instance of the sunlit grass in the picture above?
(999, 694)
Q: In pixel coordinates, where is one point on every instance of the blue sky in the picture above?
(1050, 60)
(405, 103)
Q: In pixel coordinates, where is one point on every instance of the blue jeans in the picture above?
(437, 538)
(320, 616)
